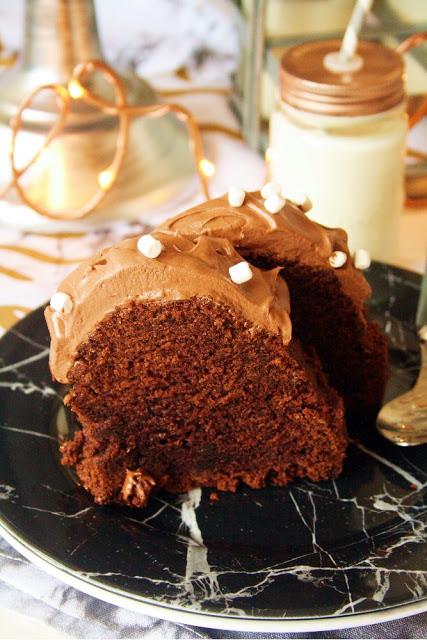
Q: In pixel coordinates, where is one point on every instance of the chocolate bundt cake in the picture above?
(184, 369)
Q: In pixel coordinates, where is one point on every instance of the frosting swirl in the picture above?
(251, 226)
(288, 235)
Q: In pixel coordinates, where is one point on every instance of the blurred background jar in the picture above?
(303, 17)
(341, 137)
(406, 11)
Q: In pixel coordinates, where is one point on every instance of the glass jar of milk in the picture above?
(340, 138)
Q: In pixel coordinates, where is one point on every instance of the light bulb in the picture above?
(268, 154)
(75, 89)
(105, 179)
(207, 167)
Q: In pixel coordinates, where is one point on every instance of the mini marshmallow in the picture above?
(240, 272)
(236, 196)
(337, 259)
(362, 259)
(274, 203)
(269, 188)
(299, 198)
(61, 302)
(149, 246)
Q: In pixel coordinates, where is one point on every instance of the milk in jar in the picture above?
(340, 137)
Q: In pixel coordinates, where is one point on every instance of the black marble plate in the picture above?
(257, 559)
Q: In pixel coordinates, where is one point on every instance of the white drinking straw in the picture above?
(351, 36)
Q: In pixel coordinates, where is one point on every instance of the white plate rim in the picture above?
(212, 621)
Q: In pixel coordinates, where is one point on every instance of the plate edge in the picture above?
(209, 620)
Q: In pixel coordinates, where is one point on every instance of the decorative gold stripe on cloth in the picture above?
(59, 236)
(183, 73)
(38, 255)
(11, 273)
(11, 314)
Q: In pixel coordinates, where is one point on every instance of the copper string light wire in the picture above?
(410, 43)
(414, 41)
(150, 111)
(63, 103)
(77, 90)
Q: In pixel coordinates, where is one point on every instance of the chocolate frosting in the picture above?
(287, 235)
(251, 226)
(187, 267)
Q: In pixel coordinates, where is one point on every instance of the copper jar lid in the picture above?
(307, 84)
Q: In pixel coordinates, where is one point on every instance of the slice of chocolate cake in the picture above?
(328, 293)
(183, 373)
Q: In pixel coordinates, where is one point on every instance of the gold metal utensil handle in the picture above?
(403, 420)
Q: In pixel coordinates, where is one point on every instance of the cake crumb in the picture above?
(137, 487)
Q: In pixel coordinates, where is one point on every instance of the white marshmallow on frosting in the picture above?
(149, 246)
(236, 196)
(269, 188)
(299, 198)
(337, 259)
(274, 203)
(240, 272)
(61, 302)
(362, 259)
